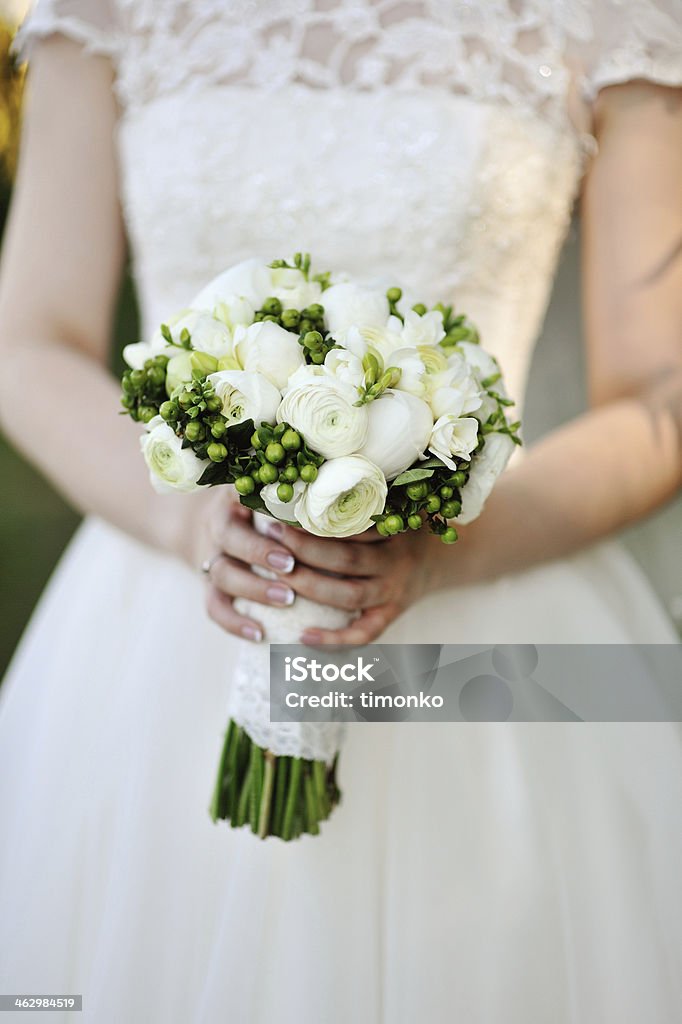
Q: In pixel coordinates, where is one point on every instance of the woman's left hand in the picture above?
(378, 576)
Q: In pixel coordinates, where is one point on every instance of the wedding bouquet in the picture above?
(329, 405)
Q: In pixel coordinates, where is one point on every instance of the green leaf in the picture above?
(412, 476)
(253, 501)
(215, 473)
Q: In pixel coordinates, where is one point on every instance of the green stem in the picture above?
(311, 810)
(256, 785)
(292, 797)
(320, 783)
(216, 808)
(266, 797)
(282, 773)
(243, 805)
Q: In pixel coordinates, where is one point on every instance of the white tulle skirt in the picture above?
(483, 873)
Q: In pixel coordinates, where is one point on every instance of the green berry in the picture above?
(128, 401)
(446, 492)
(272, 306)
(418, 490)
(157, 376)
(194, 431)
(161, 360)
(285, 492)
(147, 413)
(450, 535)
(312, 339)
(275, 453)
(394, 295)
(244, 485)
(419, 308)
(394, 524)
(309, 473)
(291, 440)
(216, 452)
(267, 473)
(458, 479)
(138, 378)
(185, 400)
(219, 428)
(168, 410)
(381, 529)
(314, 311)
(290, 318)
(214, 404)
(317, 358)
(433, 503)
(450, 509)
(290, 474)
(305, 326)
(414, 522)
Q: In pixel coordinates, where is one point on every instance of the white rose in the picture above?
(171, 467)
(348, 491)
(323, 410)
(422, 330)
(291, 288)
(350, 305)
(455, 391)
(249, 280)
(284, 510)
(400, 426)
(485, 469)
(344, 366)
(246, 395)
(453, 437)
(269, 349)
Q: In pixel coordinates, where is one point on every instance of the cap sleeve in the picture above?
(89, 22)
(625, 41)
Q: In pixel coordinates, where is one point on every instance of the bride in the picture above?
(478, 872)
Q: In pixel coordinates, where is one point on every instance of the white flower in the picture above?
(455, 391)
(454, 437)
(246, 395)
(323, 410)
(206, 333)
(483, 366)
(249, 280)
(178, 371)
(485, 469)
(284, 510)
(350, 305)
(422, 330)
(385, 340)
(171, 467)
(400, 426)
(291, 288)
(269, 349)
(413, 373)
(348, 491)
(344, 366)
(234, 311)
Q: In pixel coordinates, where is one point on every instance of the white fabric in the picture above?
(482, 873)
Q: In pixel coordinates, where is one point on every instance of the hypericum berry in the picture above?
(285, 492)
(275, 453)
(272, 306)
(314, 312)
(450, 535)
(267, 474)
(446, 492)
(414, 522)
(317, 358)
(450, 509)
(137, 378)
(458, 479)
(312, 339)
(256, 441)
(290, 474)
(157, 375)
(194, 431)
(214, 404)
(216, 452)
(394, 524)
(418, 490)
(291, 440)
(308, 473)
(244, 485)
(290, 318)
(146, 413)
(168, 410)
(433, 503)
(381, 529)
(218, 428)
(185, 400)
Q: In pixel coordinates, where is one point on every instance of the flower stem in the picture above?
(292, 798)
(266, 795)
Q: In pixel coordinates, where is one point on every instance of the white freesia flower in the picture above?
(400, 425)
(269, 349)
(234, 311)
(178, 371)
(350, 305)
(291, 288)
(454, 437)
(136, 354)
(249, 280)
(485, 469)
(284, 510)
(422, 330)
(484, 366)
(323, 410)
(348, 491)
(171, 467)
(206, 334)
(456, 390)
(246, 395)
(344, 366)
(413, 373)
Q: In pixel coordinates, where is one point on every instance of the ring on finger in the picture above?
(208, 563)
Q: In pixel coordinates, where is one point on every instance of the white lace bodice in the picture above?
(433, 142)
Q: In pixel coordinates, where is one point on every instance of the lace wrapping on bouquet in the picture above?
(250, 699)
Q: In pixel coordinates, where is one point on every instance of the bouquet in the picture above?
(329, 405)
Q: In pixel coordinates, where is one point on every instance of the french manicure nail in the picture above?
(281, 561)
(252, 633)
(273, 529)
(311, 636)
(280, 594)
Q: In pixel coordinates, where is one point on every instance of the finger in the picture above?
(341, 556)
(364, 630)
(235, 580)
(338, 591)
(236, 537)
(220, 608)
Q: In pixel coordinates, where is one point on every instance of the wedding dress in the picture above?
(522, 873)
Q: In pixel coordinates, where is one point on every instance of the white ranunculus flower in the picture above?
(323, 410)
(454, 437)
(348, 491)
(269, 349)
(171, 467)
(400, 426)
(350, 305)
(422, 330)
(284, 510)
(456, 390)
(246, 395)
(485, 469)
(291, 288)
(344, 366)
(385, 340)
(249, 280)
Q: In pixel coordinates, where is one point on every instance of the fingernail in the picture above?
(252, 633)
(273, 529)
(280, 561)
(280, 594)
(311, 636)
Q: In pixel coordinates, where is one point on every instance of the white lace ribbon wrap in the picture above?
(250, 698)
